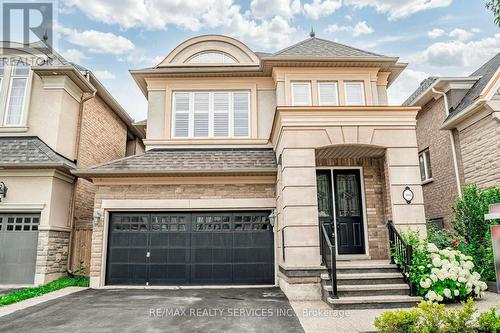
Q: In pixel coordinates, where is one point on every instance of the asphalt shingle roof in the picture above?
(486, 72)
(29, 150)
(189, 160)
(318, 47)
(423, 87)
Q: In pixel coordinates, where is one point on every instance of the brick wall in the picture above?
(440, 193)
(103, 138)
(376, 200)
(156, 192)
(480, 150)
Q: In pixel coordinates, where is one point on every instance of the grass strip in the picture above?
(26, 293)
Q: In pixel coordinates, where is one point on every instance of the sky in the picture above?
(435, 37)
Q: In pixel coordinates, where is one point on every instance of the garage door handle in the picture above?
(148, 254)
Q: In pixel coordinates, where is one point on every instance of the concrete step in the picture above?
(370, 278)
(373, 302)
(368, 266)
(369, 290)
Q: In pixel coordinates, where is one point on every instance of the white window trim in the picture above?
(319, 92)
(26, 97)
(225, 56)
(426, 165)
(362, 84)
(210, 116)
(309, 103)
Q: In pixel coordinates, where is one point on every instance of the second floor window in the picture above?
(17, 96)
(217, 114)
(354, 93)
(1, 75)
(328, 93)
(424, 160)
(301, 93)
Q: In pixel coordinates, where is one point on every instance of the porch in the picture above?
(347, 168)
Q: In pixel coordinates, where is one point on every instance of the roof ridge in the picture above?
(49, 152)
(291, 46)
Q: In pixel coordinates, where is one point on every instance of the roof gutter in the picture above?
(452, 141)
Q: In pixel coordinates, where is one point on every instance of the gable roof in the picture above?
(318, 47)
(486, 73)
(30, 152)
(424, 85)
(190, 161)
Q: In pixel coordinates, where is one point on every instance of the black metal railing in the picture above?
(401, 254)
(327, 248)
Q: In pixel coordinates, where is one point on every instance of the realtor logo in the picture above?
(28, 22)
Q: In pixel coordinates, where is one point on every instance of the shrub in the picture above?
(441, 237)
(473, 230)
(441, 275)
(435, 318)
(489, 321)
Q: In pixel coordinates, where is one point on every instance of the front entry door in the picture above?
(348, 211)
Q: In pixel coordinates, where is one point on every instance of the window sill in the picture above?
(427, 181)
(13, 129)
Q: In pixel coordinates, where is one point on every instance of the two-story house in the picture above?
(54, 117)
(458, 135)
(248, 155)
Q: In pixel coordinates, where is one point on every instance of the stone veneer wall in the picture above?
(52, 255)
(376, 200)
(159, 192)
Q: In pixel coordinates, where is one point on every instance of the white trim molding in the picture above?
(24, 208)
(190, 204)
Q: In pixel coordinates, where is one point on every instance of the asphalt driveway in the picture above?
(147, 310)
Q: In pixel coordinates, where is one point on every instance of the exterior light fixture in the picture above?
(97, 217)
(408, 194)
(3, 190)
(272, 218)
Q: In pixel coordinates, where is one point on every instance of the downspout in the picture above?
(452, 140)
(76, 153)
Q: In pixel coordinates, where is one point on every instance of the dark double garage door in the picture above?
(190, 248)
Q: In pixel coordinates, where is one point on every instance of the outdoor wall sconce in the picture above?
(272, 218)
(97, 218)
(3, 190)
(408, 194)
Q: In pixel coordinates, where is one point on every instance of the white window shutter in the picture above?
(301, 93)
(328, 93)
(354, 93)
(181, 112)
(200, 115)
(241, 106)
(221, 114)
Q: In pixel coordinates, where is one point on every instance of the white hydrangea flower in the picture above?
(431, 247)
(456, 292)
(447, 293)
(431, 295)
(436, 262)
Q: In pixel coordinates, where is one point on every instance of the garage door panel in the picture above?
(194, 248)
(132, 274)
(18, 247)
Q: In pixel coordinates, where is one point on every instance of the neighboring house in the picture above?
(245, 154)
(458, 136)
(55, 116)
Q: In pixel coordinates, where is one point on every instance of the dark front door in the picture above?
(190, 248)
(348, 211)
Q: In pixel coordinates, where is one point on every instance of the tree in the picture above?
(494, 6)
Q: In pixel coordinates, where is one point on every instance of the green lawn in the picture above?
(26, 293)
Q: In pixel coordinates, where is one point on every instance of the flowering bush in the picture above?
(444, 275)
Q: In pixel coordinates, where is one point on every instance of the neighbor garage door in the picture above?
(190, 248)
(18, 243)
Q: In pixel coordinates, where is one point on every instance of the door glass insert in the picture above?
(324, 198)
(347, 195)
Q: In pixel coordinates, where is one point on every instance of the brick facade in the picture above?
(156, 192)
(376, 200)
(480, 152)
(440, 193)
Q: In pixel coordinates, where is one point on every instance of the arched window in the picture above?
(211, 57)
